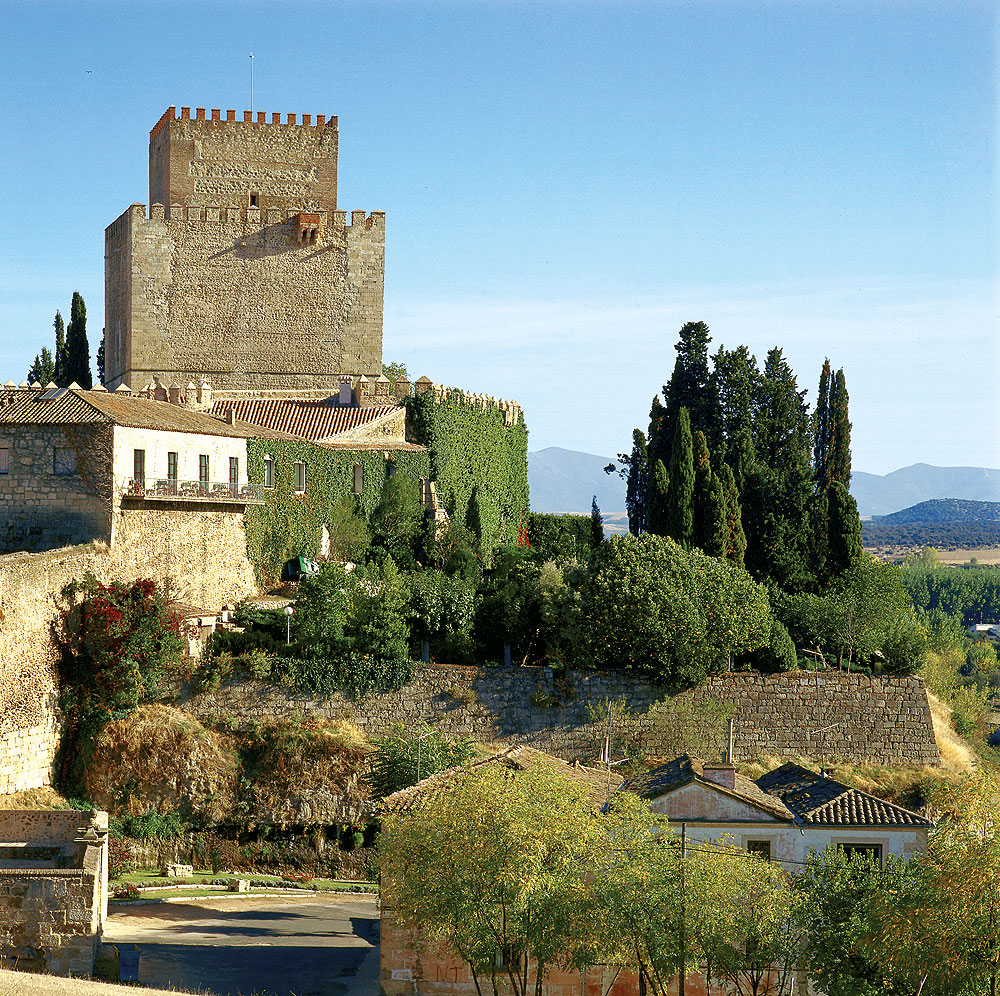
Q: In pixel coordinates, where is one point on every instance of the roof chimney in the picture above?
(720, 773)
(231, 415)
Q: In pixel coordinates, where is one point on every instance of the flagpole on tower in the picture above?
(251, 84)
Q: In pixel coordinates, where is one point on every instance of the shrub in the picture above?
(120, 859)
(127, 892)
(406, 757)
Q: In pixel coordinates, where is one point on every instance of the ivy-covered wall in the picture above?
(291, 524)
(478, 462)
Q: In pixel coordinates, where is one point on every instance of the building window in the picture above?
(300, 477)
(234, 475)
(171, 466)
(63, 461)
(359, 479)
(863, 851)
(139, 465)
(268, 472)
(253, 199)
(4, 459)
(762, 848)
(203, 472)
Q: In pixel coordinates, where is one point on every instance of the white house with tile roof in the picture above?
(784, 815)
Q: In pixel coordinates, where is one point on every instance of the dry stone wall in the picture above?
(883, 721)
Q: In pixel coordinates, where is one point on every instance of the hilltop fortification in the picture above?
(243, 270)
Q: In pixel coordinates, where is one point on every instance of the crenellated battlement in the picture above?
(252, 118)
(235, 214)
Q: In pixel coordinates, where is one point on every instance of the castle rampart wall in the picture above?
(234, 294)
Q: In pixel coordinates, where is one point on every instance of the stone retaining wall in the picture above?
(873, 720)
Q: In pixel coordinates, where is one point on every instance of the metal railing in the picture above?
(175, 490)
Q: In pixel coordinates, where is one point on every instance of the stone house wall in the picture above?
(880, 720)
(53, 890)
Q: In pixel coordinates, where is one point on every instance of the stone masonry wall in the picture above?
(53, 891)
(884, 721)
(41, 509)
(233, 294)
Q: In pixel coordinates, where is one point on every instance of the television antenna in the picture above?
(251, 84)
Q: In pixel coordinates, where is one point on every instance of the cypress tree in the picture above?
(59, 359)
(691, 386)
(736, 384)
(821, 428)
(715, 532)
(100, 357)
(845, 529)
(783, 435)
(679, 511)
(596, 525)
(736, 540)
(819, 535)
(77, 347)
(43, 370)
(657, 509)
(840, 432)
(637, 485)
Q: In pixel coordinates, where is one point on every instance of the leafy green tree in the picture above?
(944, 933)
(508, 614)
(392, 372)
(649, 604)
(492, 865)
(679, 500)
(43, 370)
(560, 634)
(396, 520)
(379, 610)
(711, 532)
(838, 920)
(348, 530)
(322, 611)
(440, 605)
(405, 757)
(77, 347)
(61, 358)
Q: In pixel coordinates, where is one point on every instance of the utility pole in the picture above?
(680, 981)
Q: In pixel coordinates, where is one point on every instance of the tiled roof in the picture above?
(31, 407)
(306, 418)
(685, 769)
(818, 800)
(389, 445)
(594, 781)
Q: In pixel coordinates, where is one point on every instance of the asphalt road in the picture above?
(238, 946)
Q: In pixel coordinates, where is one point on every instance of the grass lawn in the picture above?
(155, 886)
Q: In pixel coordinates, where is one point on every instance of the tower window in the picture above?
(253, 199)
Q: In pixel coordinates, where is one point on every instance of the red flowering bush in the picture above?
(127, 892)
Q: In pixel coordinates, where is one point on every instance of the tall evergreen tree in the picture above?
(783, 435)
(736, 383)
(59, 359)
(821, 428)
(100, 356)
(845, 529)
(596, 524)
(691, 386)
(637, 485)
(679, 511)
(736, 540)
(657, 504)
(43, 369)
(840, 432)
(709, 502)
(77, 347)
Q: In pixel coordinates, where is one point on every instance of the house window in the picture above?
(172, 467)
(863, 851)
(203, 472)
(390, 469)
(359, 479)
(762, 848)
(300, 477)
(268, 472)
(4, 459)
(63, 461)
(234, 474)
(139, 465)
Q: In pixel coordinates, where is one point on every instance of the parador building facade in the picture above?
(243, 271)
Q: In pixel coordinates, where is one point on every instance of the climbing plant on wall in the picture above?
(478, 462)
(290, 523)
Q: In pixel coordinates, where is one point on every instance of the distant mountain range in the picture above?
(566, 480)
(940, 522)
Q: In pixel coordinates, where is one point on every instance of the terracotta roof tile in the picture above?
(593, 780)
(818, 800)
(306, 418)
(32, 407)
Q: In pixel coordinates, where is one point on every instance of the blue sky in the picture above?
(566, 184)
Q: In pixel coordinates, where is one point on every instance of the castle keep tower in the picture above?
(243, 271)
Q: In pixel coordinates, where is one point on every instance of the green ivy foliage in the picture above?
(560, 537)
(479, 463)
(291, 524)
